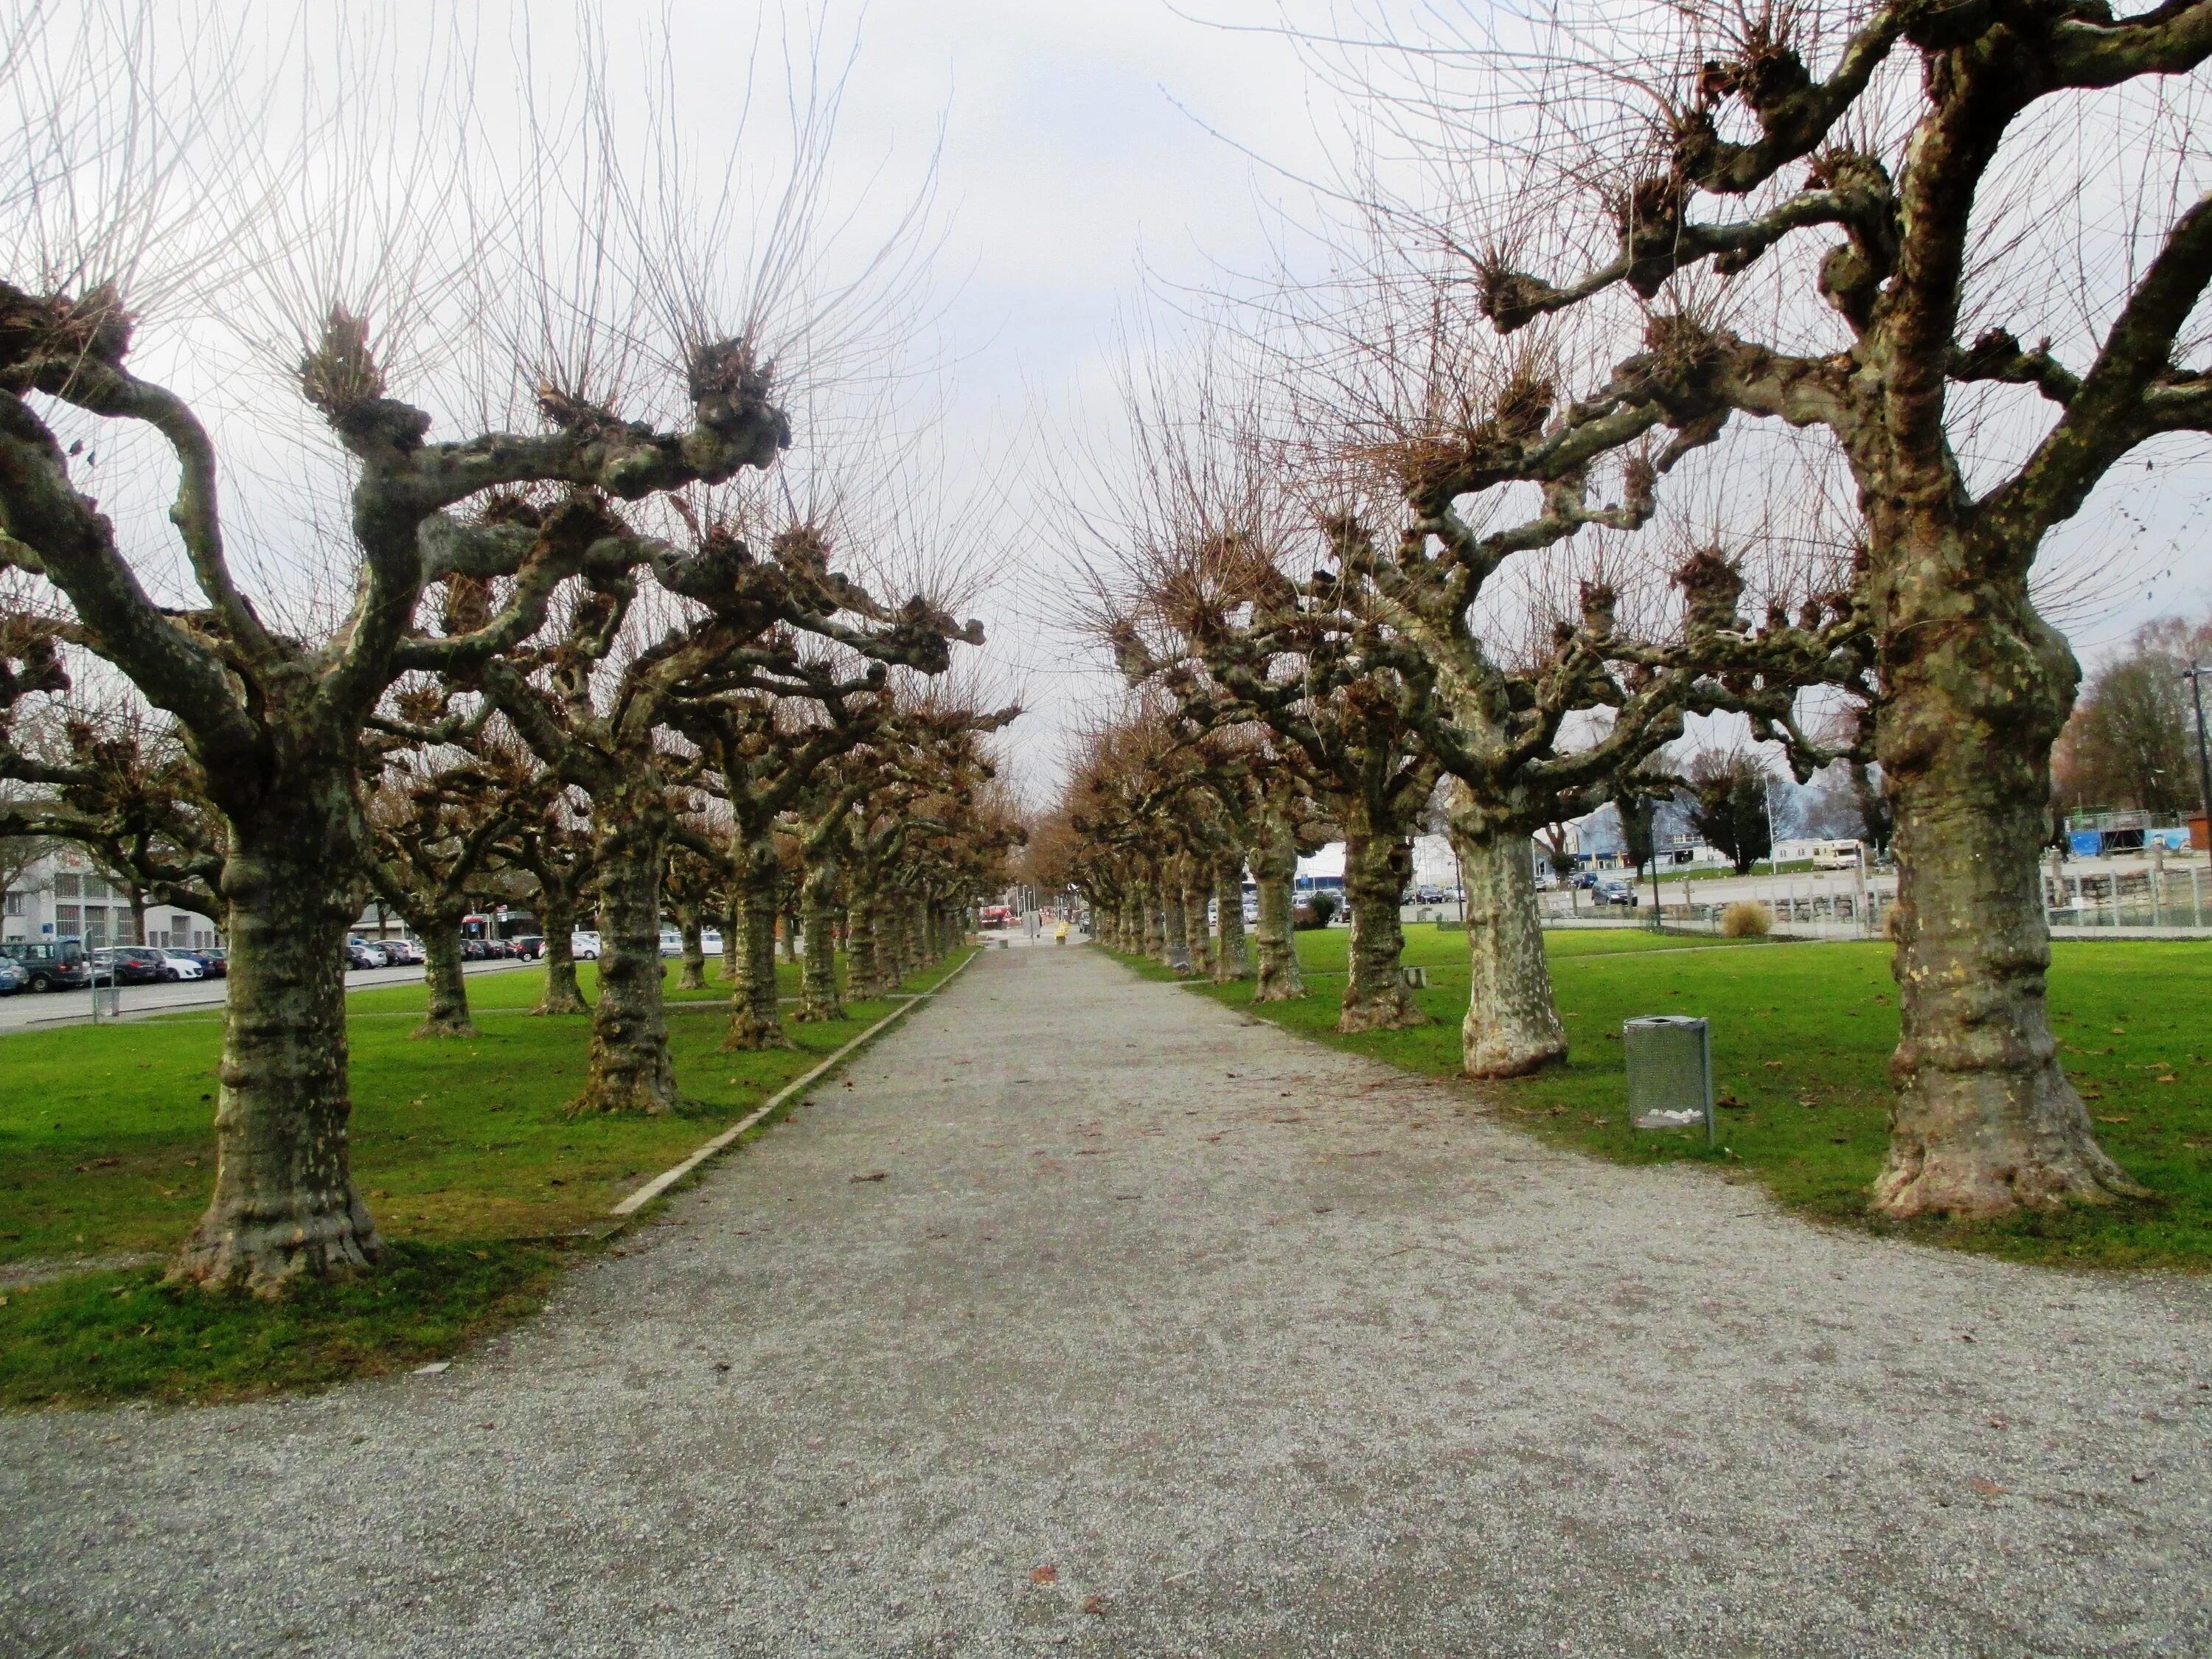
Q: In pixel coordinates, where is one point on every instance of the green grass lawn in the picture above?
(471, 1164)
(1802, 1039)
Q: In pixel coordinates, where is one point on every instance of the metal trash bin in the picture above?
(1670, 1072)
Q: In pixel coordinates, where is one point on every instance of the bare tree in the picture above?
(1903, 139)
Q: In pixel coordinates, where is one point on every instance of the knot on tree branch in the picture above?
(1710, 585)
(42, 335)
(1511, 299)
(342, 377)
(729, 388)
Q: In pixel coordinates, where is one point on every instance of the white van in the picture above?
(1835, 854)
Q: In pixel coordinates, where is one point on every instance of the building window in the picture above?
(68, 886)
(68, 917)
(179, 927)
(18, 904)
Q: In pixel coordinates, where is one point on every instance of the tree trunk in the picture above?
(1275, 871)
(1153, 919)
(1984, 1121)
(787, 936)
(558, 914)
(732, 941)
(284, 1204)
(1197, 890)
(1174, 921)
(1229, 904)
(1512, 1026)
(863, 968)
(1376, 867)
(755, 1021)
(693, 975)
(818, 895)
(446, 1012)
(630, 1070)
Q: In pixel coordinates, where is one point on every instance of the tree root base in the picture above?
(1496, 1068)
(444, 1027)
(267, 1261)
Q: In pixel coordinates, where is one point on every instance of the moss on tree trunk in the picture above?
(819, 899)
(284, 1204)
(692, 976)
(445, 1013)
(1229, 963)
(629, 1069)
(1274, 871)
(558, 913)
(1375, 868)
(755, 1020)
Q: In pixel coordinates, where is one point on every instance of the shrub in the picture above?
(1744, 920)
(1323, 905)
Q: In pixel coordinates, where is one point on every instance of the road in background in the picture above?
(28, 1012)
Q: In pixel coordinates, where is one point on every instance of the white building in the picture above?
(63, 896)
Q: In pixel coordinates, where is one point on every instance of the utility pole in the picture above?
(2195, 675)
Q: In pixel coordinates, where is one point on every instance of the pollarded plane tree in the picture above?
(108, 779)
(695, 885)
(272, 722)
(547, 838)
(1339, 692)
(814, 680)
(1906, 193)
(1533, 723)
(436, 817)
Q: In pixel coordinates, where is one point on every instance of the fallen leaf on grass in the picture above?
(1047, 1574)
(872, 1175)
(1771, 1065)
(2112, 1119)
(1094, 1604)
(98, 1164)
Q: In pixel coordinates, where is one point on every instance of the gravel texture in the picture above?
(1162, 1333)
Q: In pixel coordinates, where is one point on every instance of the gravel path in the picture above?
(1162, 1333)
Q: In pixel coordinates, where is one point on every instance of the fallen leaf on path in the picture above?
(1987, 1488)
(1094, 1604)
(1047, 1574)
(872, 1175)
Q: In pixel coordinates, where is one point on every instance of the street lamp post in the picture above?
(2195, 675)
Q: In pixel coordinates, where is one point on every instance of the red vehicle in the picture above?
(997, 915)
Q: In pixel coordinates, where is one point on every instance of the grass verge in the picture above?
(1802, 1039)
(477, 1174)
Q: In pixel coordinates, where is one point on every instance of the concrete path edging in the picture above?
(668, 1177)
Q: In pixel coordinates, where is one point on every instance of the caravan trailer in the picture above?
(1835, 854)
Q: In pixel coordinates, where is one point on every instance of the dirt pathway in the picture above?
(1162, 1333)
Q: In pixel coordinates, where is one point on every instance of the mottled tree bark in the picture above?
(1512, 1026)
(1152, 938)
(786, 935)
(1274, 871)
(819, 899)
(692, 931)
(1229, 904)
(558, 913)
(1174, 921)
(755, 1020)
(446, 1012)
(863, 974)
(630, 1066)
(1197, 889)
(1375, 868)
(732, 941)
(1985, 1119)
(284, 1203)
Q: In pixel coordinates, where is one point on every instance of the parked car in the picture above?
(528, 946)
(585, 947)
(472, 949)
(1616, 892)
(133, 964)
(358, 955)
(214, 963)
(671, 942)
(12, 977)
(50, 964)
(185, 964)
